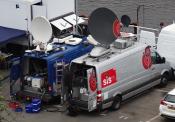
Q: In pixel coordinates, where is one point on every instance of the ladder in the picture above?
(60, 65)
(59, 71)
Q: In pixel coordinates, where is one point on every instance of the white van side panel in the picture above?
(130, 74)
(166, 46)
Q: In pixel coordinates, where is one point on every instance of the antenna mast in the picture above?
(76, 13)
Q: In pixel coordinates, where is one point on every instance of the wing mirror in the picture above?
(163, 60)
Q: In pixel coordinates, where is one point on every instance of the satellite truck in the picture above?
(117, 68)
(40, 72)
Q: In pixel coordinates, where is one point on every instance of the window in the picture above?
(155, 58)
(170, 98)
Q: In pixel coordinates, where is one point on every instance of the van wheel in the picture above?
(72, 111)
(164, 80)
(116, 103)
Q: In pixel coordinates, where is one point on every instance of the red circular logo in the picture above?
(92, 81)
(146, 59)
(116, 28)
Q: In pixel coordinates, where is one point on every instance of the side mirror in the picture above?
(163, 60)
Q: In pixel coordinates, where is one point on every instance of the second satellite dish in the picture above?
(104, 26)
(41, 30)
(126, 21)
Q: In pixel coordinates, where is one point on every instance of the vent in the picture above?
(122, 44)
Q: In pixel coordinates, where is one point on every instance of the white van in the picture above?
(105, 81)
(166, 44)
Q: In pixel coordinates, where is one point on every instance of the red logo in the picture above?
(92, 80)
(146, 59)
(108, 78)
(116, 28)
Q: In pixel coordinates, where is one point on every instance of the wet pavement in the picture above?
(141, 108)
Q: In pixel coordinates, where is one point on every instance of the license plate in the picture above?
(171, 107)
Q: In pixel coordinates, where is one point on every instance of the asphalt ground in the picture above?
(141, 108)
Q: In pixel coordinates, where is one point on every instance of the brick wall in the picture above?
(151, 12)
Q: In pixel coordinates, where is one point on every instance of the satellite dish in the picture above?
(104, 26)
(41, 30)
(99, 51)
(126, 21)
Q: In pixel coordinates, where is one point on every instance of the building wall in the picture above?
(151, 12)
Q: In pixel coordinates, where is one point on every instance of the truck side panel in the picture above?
(130, 75)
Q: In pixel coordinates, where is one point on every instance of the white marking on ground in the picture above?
(160, 90)
(103, 114)
(125, 118)
(155, 117)
(121, 117)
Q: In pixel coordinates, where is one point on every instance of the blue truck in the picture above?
(41, 75)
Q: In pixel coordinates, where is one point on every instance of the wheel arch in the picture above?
(118, 94)
(165, 72)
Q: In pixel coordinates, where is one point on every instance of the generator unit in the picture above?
(40, 72)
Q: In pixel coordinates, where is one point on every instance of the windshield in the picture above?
(170, 98)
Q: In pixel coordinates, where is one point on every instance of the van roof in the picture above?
(27, 1)
(170, 29)
(117, 54)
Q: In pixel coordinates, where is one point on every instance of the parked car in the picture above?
(167, 105)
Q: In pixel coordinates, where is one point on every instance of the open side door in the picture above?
(15, 73)
(92, 89)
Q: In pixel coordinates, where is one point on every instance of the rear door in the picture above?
(15, 73)
(92, 89)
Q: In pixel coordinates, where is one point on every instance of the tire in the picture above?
(164, 80)
(116, 103)
(72, 111)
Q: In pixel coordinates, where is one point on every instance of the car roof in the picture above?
(172, 92)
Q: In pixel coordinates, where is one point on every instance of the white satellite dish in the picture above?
(99, 51)
(41, 30)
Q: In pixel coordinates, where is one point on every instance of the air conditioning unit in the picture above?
(122, 44)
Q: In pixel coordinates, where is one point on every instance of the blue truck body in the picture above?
(50, 59)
